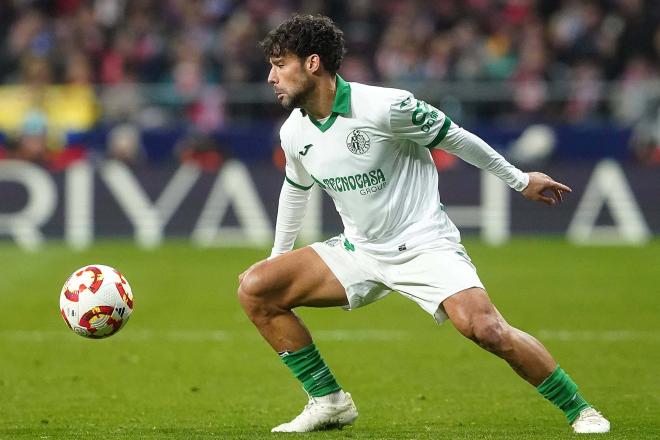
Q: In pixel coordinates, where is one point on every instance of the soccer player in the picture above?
(369, 149)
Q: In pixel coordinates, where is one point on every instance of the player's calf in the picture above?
(475, 317)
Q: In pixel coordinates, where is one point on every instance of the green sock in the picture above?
(310, 369)
(560, 389)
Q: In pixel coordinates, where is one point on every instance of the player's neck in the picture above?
(320, 103)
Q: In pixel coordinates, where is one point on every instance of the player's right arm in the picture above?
(292, 205)
(295, 193)
(290, 213)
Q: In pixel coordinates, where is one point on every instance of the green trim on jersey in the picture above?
(441, 134)
(297, 185)
(318, 181)
(348, 245)
(327, 124)
(340, 106)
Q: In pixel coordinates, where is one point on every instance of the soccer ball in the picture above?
(96, 301)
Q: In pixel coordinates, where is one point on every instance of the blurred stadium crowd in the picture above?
(75, 73)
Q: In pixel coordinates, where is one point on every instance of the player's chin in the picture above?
(288, 104)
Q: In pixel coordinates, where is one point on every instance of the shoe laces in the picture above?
(308, 409)
(590, 415)
(311, 403)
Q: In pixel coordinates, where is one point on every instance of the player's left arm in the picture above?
(544, 188)
(427, 126)
(472, 149)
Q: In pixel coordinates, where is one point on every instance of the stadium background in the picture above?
(142, 134)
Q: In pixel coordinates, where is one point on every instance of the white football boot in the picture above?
(590, 421)
(332, 411)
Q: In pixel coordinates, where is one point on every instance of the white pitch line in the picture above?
(361, 335)
(182, 335)
(598, 335)
(354, 335)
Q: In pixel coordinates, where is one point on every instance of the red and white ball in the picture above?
(96, 301)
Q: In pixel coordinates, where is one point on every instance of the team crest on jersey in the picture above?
(358, 142)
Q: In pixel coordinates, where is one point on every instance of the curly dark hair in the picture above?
(304, 35)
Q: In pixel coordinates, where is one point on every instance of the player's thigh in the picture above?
(296, 278)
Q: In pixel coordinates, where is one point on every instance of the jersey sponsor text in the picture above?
(369, 182)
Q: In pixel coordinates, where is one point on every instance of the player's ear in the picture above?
(313, 63)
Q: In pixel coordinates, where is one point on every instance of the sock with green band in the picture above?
(310, 369)
(560, 389)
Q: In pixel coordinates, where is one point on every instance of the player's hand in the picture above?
(543, 188)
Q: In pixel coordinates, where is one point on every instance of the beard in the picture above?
(300, 96)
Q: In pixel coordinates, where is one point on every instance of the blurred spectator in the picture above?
(530, 93)
(438, 63)
(356, 68)
(645, 141)
(62, 109)
(586, 90)
(123, 100)
(631, 98)
(201, 151)
(124, 144)
(32, 142)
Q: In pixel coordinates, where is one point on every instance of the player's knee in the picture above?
(255, 294)
(491, 334)
(252, 290)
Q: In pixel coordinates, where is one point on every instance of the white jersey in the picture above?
(372, 156)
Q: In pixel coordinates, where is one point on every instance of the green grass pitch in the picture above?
(190, 365)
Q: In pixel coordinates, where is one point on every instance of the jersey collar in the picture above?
(340, 106)
(342, 103)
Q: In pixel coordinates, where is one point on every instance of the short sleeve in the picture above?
(418, 121)
(296, 175)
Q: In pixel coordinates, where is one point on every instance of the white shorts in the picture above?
(427, 274)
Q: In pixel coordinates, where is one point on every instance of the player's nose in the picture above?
(272, 77)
